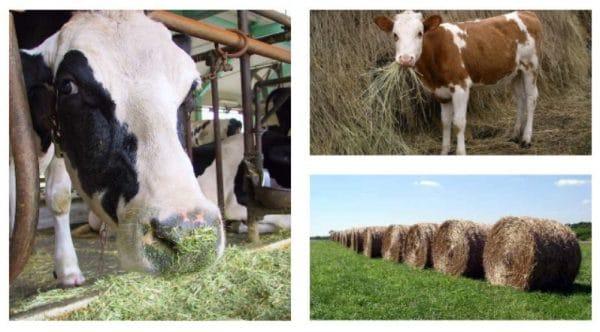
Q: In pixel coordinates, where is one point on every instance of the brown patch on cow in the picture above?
(431, 22)
(384, 23)
(441, 62)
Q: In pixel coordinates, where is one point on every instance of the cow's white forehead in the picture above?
(127, 49)
(408, 16)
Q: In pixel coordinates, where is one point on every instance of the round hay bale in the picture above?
(417, 246)
(529, 253)
(457, 248)
(358, 238)
(347, 236)
(373, 241)
(393, 243)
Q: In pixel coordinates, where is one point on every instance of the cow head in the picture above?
(408, 28)
(121, 84)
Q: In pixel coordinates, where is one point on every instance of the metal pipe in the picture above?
(275, 16)
(271, 39)
(219, 35)
(275, 81)
(249, 145)
(258, 132)
(23, 151)
(214, 90)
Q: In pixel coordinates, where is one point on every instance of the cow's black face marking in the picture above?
(185, 109)
(98, 146)
(38, 82)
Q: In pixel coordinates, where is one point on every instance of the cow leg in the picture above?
(520, 96)
(447, 113)
(58, 199)
(460, 99)
(531, 92)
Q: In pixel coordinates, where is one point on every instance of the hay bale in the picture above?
(457, 248)
(373, 241)
(529, 253)
(360, 104)
(393, 243)
(358, 238)
(417, 246)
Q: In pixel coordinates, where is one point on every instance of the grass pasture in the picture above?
(347, 286)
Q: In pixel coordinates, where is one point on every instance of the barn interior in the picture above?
(34, 294)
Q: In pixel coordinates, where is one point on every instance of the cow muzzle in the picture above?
(406, 60)
(182, 242)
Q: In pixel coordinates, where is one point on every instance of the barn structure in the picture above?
(242, 55)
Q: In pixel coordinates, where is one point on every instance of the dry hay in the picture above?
(393, 242)
(363, 103)
(417, 246)
(373, 242)
(529, 253)
(457, 248)
(358, 239)
(346, 238)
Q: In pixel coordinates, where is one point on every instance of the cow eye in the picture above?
(68, 87)
(420, 34)
(395, 37)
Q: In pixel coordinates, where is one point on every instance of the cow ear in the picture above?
(184, 42)
(432, 22)
(384, 23)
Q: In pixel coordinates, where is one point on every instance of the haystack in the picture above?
(374, 241)
(529, 253)
(393, 242)
(457, 248)
(417, 246)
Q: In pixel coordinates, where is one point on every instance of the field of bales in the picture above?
(350, 286)
(362, 103)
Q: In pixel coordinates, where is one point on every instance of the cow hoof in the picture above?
(525, 145)
(71, 280)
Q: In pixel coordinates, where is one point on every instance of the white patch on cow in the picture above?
(58, 199)
(458, 35)
(47, 49)
(232, 149)
(444, 92)
(514, 16)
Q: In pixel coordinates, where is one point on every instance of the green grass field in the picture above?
(348, 286)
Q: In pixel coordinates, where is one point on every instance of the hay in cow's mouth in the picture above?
(192, 252)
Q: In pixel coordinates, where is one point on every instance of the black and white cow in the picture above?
(118, 84)
(203, 131)
(277, 164)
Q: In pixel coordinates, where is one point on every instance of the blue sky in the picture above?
(342, 201)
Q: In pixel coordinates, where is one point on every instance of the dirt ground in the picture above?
(561, 126)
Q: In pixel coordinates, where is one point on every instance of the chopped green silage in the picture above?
(241, 285)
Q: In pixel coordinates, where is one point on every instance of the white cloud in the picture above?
(570, 183)
(427, 183)
(586, 202)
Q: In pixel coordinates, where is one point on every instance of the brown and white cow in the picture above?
(450, 58)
